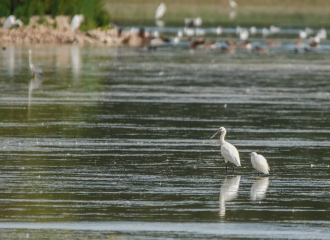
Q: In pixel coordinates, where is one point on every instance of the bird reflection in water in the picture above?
(76, 62)
(34, 84)
(259, 189)
(228, 191)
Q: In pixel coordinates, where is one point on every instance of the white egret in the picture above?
(259, 189)
(189, 32)
(244, 35)
(161, 10)
(180, 34)
(228, 151)
(308, 30)
(11, 21)
(274, 29)
(253, 30)
(199, 32)
(302, 34)
(232, 4)
(76, 21)
(34, 70)
(265, 32)
(259, 163)
(322, 34)
(228, 191)
(218, 30)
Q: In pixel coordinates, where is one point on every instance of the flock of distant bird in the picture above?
(192, 29)
(230, 153)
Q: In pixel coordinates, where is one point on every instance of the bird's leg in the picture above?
(258, 173)
(233, 167)
(226, 167)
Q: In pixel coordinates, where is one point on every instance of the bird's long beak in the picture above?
(215, 134)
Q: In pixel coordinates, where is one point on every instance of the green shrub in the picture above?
(93, 10)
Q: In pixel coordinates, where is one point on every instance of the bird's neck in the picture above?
(222, 138)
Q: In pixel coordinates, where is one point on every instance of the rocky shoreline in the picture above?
(57, 31)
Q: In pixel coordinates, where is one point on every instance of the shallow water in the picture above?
(115, 142)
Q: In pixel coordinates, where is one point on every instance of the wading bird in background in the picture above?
(161, 10)
(232, 4)
(34, 70)
(76, 21)
(228, 151)
(259, 163)
(11, 21)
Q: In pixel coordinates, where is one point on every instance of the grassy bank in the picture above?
(314, 13)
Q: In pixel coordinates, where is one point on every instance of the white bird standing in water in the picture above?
(259, 163)
(232, 3)
(161, 10)
(228, 151)
(34, 70)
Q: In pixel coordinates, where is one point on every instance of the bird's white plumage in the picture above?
(259, 163)
(228, 151)
(161, 10)
(76, 21)
(232, 3)
(11, 21)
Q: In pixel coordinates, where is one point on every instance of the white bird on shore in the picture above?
(322, 34)
(259, 163)
(199, 32)
(34, 70)
(232, 4)
(76, 21)
(189, 32)
(161, 10)
(11, 21)
(228, 151)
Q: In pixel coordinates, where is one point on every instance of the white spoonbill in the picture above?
(228, 151)
(34, 70)
(161, 10)
(259, 163)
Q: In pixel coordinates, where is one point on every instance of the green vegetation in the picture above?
(93, 10)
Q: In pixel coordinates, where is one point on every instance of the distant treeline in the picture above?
(93, 10)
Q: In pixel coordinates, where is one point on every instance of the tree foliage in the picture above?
(93, 10)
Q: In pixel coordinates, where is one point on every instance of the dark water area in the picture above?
(115, 142)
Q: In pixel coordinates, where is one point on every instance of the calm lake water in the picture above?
(115, 143)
